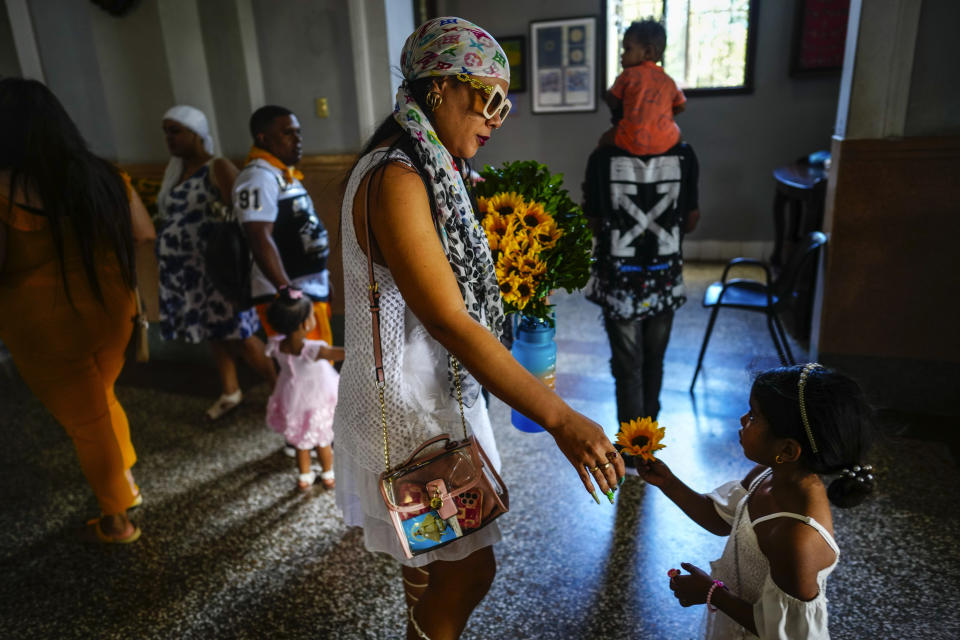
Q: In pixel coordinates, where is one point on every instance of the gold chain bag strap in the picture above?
(447, 488)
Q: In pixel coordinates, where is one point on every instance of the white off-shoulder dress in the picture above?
(416, 395)
(746, 572)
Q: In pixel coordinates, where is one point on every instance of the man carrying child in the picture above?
(642, 197)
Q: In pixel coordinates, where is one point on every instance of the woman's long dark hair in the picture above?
(43, 150)
(389, 128)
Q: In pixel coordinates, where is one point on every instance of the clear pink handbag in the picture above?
(447, 488)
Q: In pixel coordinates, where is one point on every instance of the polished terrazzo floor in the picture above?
(231, 550)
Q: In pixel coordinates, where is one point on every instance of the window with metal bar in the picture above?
(710, 43)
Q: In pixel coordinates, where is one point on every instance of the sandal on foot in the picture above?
(306, 480)
(326, 477)
(224, 405)
(137, 498)
(104, 538)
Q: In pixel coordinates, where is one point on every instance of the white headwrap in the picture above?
(193, 119)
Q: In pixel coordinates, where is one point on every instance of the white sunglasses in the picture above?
(497, 102)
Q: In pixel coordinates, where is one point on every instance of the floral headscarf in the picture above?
(443, 47)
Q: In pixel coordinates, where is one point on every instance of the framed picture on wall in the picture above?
(516, 50)
(819, 36)
(563, 56)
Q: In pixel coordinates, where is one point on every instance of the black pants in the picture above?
(637, 348)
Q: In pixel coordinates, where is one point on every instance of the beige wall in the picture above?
(739, 139)
(114, 75)
(116, 67)
(135, 79)
(305, 54)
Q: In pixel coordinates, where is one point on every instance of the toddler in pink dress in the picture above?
(302, 404)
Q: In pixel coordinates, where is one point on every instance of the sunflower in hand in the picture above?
(640, 438)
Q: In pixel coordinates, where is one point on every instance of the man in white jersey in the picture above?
(288, 242)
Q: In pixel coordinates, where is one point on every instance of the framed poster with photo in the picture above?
(516, 50)
(563, 75)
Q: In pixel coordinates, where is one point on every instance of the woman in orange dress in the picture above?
(67, 278)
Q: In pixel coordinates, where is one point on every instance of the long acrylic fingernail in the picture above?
(610, 495)
(595, 496)
(620, 481)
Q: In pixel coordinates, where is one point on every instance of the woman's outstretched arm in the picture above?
(406, 241)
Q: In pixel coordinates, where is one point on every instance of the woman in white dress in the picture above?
(438, 296)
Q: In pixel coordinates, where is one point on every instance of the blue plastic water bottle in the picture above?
(535, 349)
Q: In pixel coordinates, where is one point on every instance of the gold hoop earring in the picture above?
(779, 459)
(434, 100)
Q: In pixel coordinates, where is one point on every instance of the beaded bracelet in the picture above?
(716, 583)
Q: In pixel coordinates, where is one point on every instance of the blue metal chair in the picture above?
(769, 297)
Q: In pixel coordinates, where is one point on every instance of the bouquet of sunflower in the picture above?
(539, 238)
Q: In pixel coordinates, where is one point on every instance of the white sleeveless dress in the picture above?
(416, 395)
(746, 572)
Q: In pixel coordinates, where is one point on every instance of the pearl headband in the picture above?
(803, 406)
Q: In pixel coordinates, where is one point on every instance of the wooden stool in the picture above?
(804, 188)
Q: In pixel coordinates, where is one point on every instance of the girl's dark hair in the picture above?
(648, 33)
(45, 154)
(840, 419)
(286, 314)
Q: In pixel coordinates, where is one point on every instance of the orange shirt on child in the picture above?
(648, 95)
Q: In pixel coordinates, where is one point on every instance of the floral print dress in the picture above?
(191, 309)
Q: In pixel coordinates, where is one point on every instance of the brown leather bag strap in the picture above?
(373, 296)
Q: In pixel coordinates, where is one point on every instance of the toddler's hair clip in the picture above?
(290, 292)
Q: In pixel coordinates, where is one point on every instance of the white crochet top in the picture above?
(416, 395)
(746, 572)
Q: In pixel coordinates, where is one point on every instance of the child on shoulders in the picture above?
(770, 582)
(644, 98)
(302, 404)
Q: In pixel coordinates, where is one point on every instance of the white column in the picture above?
(251, 54)
(24, 40)
(378, 29)
(183, 45)
(366, 109)
(399, 26)
(878, 62)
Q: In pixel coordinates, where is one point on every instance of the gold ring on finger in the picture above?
(606, 466)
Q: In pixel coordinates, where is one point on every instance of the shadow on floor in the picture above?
(232, 550)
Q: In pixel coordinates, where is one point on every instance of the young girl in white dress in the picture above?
(302, 404)
(770, 582)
